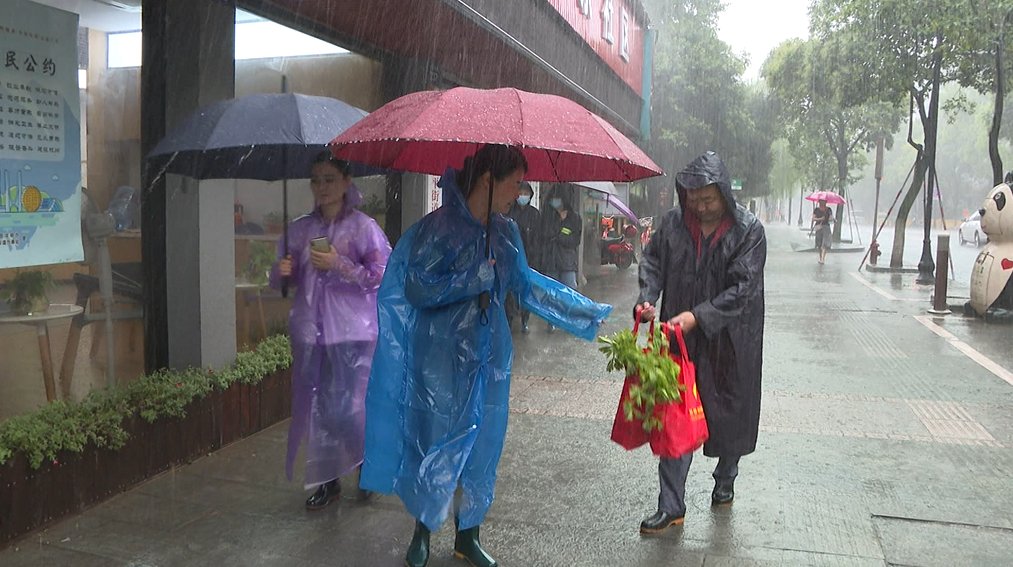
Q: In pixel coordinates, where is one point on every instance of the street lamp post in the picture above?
(879, 177)
(926, 266)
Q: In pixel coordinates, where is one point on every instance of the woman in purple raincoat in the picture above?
(332, 326)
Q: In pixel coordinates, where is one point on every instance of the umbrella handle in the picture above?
(284, 223)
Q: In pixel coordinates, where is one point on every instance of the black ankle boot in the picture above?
(467, 547)
(418, 549)
(723, 494)
(325, 493)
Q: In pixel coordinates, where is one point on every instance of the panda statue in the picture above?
(991, 281)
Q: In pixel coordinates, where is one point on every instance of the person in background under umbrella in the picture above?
(528, 220)
(561, 232)
(332, 326)
(707, 260)
(822, 218)
(438, 395)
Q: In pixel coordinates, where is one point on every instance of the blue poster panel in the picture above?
(40, 136)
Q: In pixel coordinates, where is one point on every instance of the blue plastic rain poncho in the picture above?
(333, 332)
(436, 406)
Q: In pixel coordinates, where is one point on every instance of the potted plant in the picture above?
(262, 256)
(273, 222)
(28, 292)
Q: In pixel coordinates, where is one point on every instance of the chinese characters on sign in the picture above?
(606, 21)
(40, 136)
(434, 195)
(615, 30)
(31, 121)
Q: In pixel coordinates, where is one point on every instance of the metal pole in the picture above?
(105, 285)
(926, 266)
(879, 177)
(939, 305)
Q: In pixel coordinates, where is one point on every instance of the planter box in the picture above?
(30, 498)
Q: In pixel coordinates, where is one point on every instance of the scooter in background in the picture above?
(618, 250)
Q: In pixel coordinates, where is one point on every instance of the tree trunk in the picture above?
(842, 180)
(993, 132)
(926, 156)
(790, 198)
(897, 254)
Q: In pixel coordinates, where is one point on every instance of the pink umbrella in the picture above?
(425, 132)
(829, 196)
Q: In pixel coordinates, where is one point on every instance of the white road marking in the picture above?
(883, 292)
(872, 286)
(969, 351)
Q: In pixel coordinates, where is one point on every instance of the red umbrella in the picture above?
(829, 196)
(425, 132)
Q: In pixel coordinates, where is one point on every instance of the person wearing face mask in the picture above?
(337, 255)
(528, 220)
(561, 232)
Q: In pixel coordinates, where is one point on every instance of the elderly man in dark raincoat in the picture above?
(706, 261)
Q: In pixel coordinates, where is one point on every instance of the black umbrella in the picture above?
(262, 136)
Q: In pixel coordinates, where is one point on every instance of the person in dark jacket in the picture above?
(706, 261)
(561, 232)
(528, 220)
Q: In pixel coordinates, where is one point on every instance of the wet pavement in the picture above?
(886, 439)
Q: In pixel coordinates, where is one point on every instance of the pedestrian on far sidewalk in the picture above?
(336, 261)
(560, 238)
(821, 220)
(706, 262)
(528, 220)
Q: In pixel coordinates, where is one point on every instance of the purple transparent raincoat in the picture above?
(333, 332)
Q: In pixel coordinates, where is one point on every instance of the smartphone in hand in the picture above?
(320, 244)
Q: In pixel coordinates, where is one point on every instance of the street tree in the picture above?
(909, 48)
(830, 123)
(986, 65)
(700, 102)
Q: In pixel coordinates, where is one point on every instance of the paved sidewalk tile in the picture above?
(884, 440)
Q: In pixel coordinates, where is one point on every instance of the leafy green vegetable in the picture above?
(657, 374)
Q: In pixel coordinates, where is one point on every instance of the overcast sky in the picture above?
(755, 27)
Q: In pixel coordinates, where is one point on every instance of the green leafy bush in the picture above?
(98, 419)
(658, 374)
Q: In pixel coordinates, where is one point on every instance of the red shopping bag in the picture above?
(684, 427)
(630, 434)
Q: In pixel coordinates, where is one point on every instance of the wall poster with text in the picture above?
(40, 136)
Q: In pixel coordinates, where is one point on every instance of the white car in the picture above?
(970, 230)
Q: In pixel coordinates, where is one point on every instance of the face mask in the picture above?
(523, 200)
(556, 203)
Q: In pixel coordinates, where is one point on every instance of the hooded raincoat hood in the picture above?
(437, 401)
(722, 285)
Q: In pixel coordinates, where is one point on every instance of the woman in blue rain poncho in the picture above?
(436, 405)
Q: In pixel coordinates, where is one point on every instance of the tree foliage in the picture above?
(828, 119)
(912, 49)
(699, 101)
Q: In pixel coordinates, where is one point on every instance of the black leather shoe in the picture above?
(418, 549)
(723, 494)
(325, 493)
(659, 522)
(467, 547)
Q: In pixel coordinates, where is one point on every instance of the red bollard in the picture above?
(874, 253)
